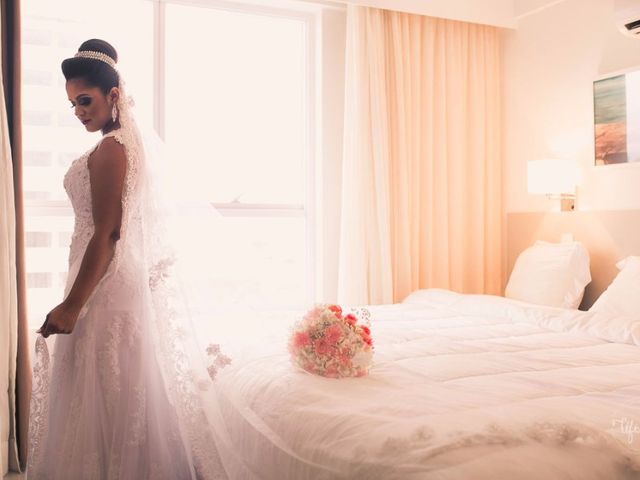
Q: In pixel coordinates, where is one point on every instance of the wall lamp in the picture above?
(557, 179)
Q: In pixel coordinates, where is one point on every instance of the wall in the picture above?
(527, 7)
(550, 63)
(329, 168)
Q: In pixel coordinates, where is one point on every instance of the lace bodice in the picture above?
(78, 187)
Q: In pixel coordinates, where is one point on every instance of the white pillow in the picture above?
(552, 274)
(622, 297)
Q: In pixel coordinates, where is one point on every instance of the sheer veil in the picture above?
(145, 251)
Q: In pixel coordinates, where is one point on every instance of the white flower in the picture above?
(362, 359)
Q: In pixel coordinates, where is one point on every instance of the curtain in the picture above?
(422, 157)
(8, 289)
(13, 323)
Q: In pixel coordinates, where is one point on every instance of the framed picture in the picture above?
(616, 101)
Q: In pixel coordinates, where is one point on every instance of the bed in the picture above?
(463, 387)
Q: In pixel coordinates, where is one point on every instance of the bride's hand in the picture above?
(61, 319)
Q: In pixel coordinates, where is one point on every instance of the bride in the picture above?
(128, 395)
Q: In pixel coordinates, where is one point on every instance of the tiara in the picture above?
(96, 56)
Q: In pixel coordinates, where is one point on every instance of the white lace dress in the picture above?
(108, 414)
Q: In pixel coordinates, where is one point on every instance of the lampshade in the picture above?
(552, 177)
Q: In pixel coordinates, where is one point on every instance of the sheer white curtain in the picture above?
(422, 157)
(8, 293)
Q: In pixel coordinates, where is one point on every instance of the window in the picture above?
(230, 87)
(237, 106)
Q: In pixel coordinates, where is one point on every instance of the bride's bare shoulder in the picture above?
(109, 153)
(108, 164)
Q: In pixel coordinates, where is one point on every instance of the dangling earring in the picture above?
(114, 113)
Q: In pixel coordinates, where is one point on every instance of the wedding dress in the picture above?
(128, 394)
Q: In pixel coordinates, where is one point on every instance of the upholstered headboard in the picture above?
(609, 236)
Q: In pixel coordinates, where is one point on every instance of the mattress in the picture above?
(462, 387)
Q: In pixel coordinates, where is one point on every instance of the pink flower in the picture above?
(301, 339)
(322, 347)
(344, 359)
(366, 330)
(351, 319)
(333, 334)
(336, 310)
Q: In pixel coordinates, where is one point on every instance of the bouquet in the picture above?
(327, 343)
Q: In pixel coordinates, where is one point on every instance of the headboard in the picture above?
(609, 236)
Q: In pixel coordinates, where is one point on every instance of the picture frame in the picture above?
(616, 101)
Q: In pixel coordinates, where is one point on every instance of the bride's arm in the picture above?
(107, 168)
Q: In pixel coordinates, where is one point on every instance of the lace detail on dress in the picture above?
(109, 362)
(39, 409)
(183, 380)
(159, 272)
(78, 186)
(218, 360)
(138, 420)
(434, 447)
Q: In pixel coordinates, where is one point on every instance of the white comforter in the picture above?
(463, 387)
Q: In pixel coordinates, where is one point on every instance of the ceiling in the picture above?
(501, 13)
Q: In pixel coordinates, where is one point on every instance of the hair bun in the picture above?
(96, 73)
(97, 45)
